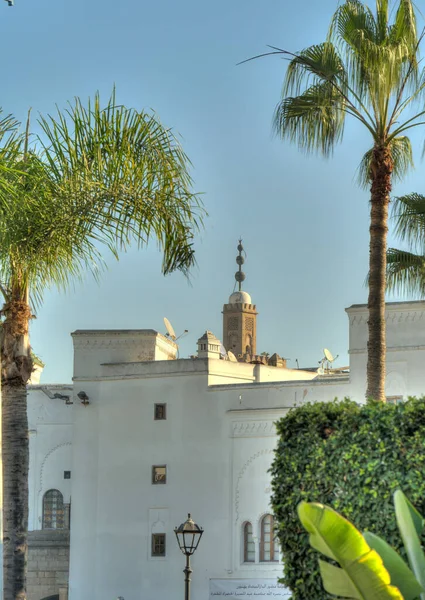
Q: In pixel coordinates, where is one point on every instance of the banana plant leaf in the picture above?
(411, 524)
(401, 576)
(362, 575)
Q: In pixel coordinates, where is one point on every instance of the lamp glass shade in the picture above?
(188, 536)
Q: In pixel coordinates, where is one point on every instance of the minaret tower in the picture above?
(240, 318)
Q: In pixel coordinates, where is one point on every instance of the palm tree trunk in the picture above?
(15, 490)
(381, 170)
(17, 366)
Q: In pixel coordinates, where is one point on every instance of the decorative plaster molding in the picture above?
(253, 429)
(391, 317)
(357, 320)
(389, 349)
(43, 464)
(241, 474)
(93, 343)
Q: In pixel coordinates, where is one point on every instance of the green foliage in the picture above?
(368, 69)
(406, 268)
(401, 576)
(411, 525)
(351, 458)
(361, 574)
(98, 177)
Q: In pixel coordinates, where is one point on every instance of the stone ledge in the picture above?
(48, 538)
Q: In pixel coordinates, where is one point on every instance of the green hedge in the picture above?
(352, 458)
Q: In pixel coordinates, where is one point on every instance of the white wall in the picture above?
(50, 427)
(217, 444)
(405, 348)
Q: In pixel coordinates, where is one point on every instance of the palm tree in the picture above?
(367, 69)
(95, 178)
(406, 268)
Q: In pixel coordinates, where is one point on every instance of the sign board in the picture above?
(248, 589)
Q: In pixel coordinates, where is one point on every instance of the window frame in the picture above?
(61, 512)
(156, 481)
(396, 399)
(163, 542)
(163, 406)
(273, 558)
(246, 542)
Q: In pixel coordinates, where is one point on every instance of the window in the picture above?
(394, 399)
(67, 474)
(158, 544)
(269, 547)
(53, 510)
(160, 412)
(248, 544)
(159, 474)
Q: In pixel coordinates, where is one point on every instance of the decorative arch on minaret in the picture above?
(240, 317)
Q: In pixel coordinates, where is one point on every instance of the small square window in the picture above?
(159, 474)
(158, 544)
(67, 474)
(160, 412)
(394, 399)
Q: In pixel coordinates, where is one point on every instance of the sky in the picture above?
(304, 220)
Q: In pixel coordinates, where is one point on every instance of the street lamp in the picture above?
(188, 537)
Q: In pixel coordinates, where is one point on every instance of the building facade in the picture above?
(142, 438)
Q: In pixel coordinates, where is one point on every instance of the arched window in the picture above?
(248, 544)
(53, 510)
(269, 546)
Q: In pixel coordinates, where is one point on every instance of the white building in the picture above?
(150, 438)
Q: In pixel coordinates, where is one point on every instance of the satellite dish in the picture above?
(170, 330)
(328, 359)
(223, 352)
(328, 355)
(231, 356)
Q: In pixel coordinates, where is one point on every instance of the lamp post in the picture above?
(188, 537)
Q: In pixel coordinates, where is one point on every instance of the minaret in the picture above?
(240, 318)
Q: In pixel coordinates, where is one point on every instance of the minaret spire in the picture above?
(240, 275)
(240, 317)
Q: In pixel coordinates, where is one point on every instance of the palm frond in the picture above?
(377, 55)
(405, 272)
(382, 19)
(315, 119)
(352, 24)
(408, 214)
(405, 27)
(129, 178)
(96, 177)
(316, 64)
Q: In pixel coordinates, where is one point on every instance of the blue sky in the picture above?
(304, 220)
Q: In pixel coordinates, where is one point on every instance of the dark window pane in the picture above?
(159, 474)
(249, 544)
(160, 412)
(158, 544)
(394, 399)
(269, 548)
(67, 474)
